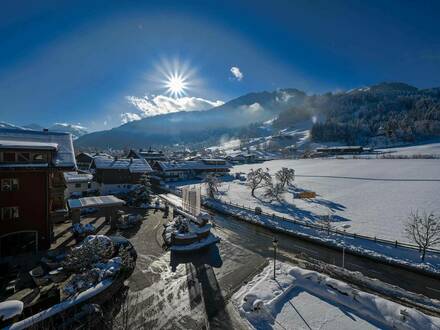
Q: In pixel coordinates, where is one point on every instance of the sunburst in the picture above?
(177, 77)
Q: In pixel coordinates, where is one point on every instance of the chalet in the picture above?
(78, 184)
(118, 175)
(32, 187)
(149, 155)
(84, 159)
(173, 171)
(341, 150)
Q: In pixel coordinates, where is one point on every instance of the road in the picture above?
(259, 240)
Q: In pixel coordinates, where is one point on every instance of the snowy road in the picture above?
(171, 291)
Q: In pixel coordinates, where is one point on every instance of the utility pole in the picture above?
(275, 244)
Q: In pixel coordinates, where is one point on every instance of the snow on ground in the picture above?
(303, 299)
(387, 252)
(373, 196)
(424, 149)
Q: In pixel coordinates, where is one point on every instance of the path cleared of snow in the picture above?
(303, 299)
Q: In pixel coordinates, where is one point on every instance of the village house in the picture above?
(84, 159)
(118, 175)
(78, 184)
(150, 155)
(32, 187)
(183, 170)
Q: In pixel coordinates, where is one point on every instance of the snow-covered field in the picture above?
(302, 299)
(373, 196)
(423, 149)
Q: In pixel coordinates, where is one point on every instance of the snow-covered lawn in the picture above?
(423, 149)
(303, 299)
(373, 196)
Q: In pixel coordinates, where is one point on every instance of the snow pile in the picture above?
(88, 279)
(259, 300)
(9, 309)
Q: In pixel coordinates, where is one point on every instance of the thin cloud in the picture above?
(238, 75)
(129, 116)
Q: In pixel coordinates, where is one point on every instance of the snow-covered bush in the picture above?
(212, 185)
(94, 248)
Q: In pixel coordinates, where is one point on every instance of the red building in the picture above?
(32, 187)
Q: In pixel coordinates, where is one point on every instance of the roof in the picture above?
(191, 165)
(8, 144)
(134, 165)
(99, 201)
(62, 142)
(75, 177)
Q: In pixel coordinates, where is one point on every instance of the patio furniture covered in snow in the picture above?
(110, 203)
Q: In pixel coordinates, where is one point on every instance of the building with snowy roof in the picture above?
(173, 171)
(150, 155)
(78, 184)
(32, 187)
(118, 175)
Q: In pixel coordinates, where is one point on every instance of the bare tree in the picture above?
(258, 179)
(285, 176)
(212, 185)
(274, 191)
(424, 230)
(326, 222)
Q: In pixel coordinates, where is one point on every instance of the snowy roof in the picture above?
(134, 165)
(62, 142)
(75, 177)
(8, 144)
(99, 201)
(191, 165)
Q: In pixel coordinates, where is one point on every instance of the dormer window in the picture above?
(39, 157)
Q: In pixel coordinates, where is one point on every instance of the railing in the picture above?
(178, 192)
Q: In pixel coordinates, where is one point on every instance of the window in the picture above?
(9, 157)
(77, 185)
(9, 213)
(39, 157)
(9, 184)
(24, 157)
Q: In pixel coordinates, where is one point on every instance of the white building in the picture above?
(78, 184)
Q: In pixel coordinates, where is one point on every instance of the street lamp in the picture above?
(275, 244)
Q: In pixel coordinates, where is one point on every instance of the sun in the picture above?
(177, 78)
(176, 85)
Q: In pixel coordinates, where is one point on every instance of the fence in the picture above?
(396, 243)
(334, 231)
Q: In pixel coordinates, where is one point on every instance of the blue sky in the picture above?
(98, 63)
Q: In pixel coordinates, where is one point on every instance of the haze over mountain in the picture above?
(391, 111)
(196, 126)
